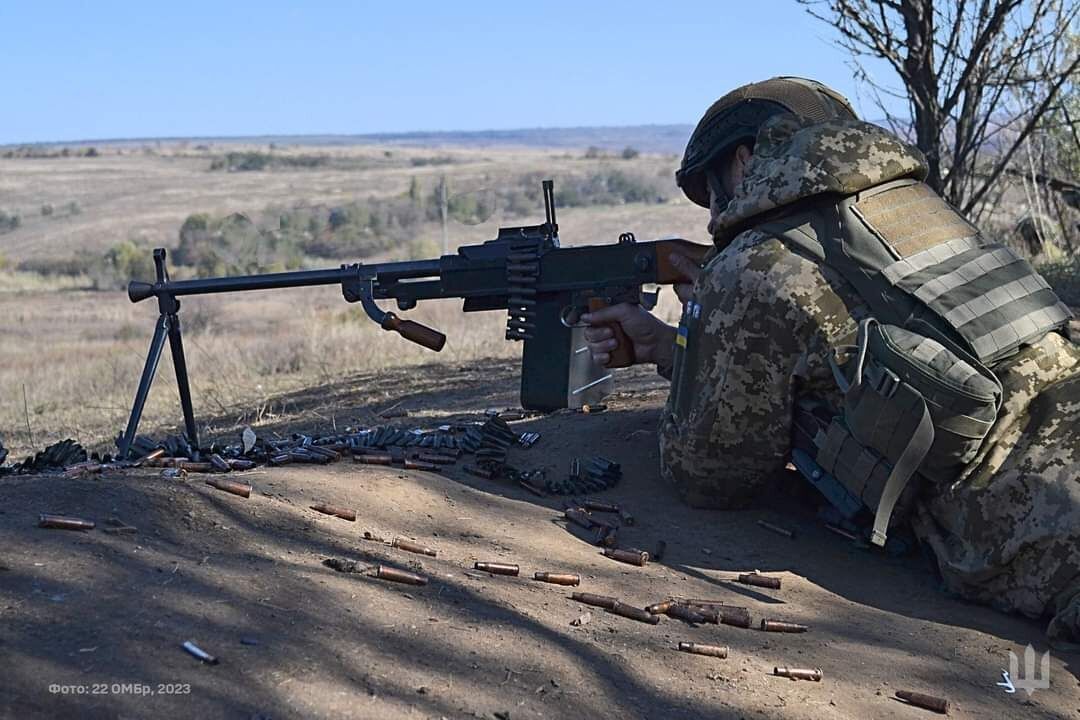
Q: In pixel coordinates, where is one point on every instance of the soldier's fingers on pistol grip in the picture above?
(614, 313)
(689, 269)
(598, 333)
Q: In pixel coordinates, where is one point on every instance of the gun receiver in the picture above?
(544, 288)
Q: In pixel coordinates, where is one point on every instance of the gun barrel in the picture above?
(138, 291)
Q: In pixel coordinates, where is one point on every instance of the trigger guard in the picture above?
(570, 316)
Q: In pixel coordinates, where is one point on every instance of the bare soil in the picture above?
(105, 615)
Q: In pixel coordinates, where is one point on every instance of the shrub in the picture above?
(72, 266)
(257, 161)
(1064, 276)
(629, 153)
(9, 220)
(47, 210)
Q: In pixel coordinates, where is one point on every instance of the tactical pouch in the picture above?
(910, 405)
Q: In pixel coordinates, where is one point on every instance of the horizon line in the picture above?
(377, 135)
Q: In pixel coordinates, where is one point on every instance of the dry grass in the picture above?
(148, 196)
(78, 354)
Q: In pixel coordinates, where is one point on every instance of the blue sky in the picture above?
(84, 70)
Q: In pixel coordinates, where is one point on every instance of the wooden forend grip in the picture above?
(419, 334)
(623, 354)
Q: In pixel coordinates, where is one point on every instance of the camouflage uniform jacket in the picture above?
(755, 339)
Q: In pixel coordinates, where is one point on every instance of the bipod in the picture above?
(168, 326)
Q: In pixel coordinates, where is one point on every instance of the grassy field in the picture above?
(70, 358)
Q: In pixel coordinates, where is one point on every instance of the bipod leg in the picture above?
(157, 344)
(180, 365)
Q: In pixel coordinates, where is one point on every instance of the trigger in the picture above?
(649, 298)
(571, 316)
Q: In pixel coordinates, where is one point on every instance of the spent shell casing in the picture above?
(602, 601)
(479, 472)
(634, 613)
(373, 459)
(734, 616)
(196, 467)
(605, 536)
(780, 626)
(597, 506)
(759, 580)
(420, 465)
(776, 529)
(718, 651)
(661, 607)
(538, 492)
(343, 513)
(435, 459)
(150, 457)
(633, 557)
(329, 454)
(798, 673)
(497, 568)
(708, 614)
(580, 518)
(219, 463)
(927, 702)
(402, 576)
(62, 522)
(558, 578)
(240, 464)
(410, 546)
(121, 530)
(841, 532)
(198, 652)
(231, 486)
(686, 614)
(280, 459)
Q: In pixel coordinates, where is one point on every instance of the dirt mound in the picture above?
(93, 622)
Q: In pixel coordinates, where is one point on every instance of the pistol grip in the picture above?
(623, 354)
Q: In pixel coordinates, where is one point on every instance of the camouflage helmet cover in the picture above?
(736, 118)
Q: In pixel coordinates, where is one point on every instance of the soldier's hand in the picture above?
(690, 270)
(652, 338)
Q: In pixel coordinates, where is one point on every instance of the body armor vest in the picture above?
(920, 265)
(947, 304)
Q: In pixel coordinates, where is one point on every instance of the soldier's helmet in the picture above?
(736, 118)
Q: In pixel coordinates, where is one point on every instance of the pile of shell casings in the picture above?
(597, 475)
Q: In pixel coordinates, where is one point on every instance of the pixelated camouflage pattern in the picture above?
(768, 319)
(792, 161)
(1007, 532)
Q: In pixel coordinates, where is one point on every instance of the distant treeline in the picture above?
(262, 161)
(35, 151)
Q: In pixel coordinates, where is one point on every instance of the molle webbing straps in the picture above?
(983, 291)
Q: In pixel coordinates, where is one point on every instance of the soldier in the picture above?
(852, 320)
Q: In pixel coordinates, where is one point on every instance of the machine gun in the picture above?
(545, 288)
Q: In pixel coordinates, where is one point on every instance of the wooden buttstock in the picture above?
(668, 274)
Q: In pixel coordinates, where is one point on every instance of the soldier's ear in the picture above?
(739, 160)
